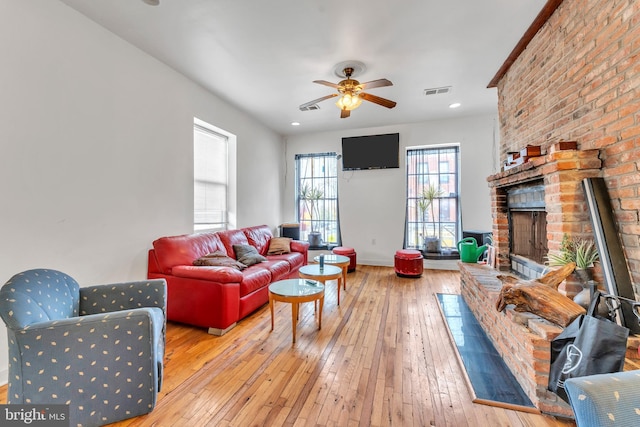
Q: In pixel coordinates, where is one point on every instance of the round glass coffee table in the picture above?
(339, 261)
(296, 291)
(329, 272)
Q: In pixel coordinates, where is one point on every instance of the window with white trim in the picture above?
(210, 178)
(435, 170)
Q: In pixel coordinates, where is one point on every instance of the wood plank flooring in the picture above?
(382, 358)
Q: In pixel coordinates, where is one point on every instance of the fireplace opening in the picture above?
(527, 229)
(529, 235)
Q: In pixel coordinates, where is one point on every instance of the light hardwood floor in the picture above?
(382, 358)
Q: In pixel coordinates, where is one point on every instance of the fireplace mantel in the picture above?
(556, 161)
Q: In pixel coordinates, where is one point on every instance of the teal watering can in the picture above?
(469, 250)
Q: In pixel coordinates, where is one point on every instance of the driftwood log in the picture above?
(540, 296)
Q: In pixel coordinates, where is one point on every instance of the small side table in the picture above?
(296, 291)
(339, 261)
(329, 272)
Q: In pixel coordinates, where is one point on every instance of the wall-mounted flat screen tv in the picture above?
(371, 152)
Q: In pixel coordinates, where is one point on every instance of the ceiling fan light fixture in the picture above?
(350, 91)
(349, 102)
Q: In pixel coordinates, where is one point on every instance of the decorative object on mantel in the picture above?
(516, 158)
(564, 145)
(540, 296)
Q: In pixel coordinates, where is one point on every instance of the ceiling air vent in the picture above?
(310, 107)
(438, 90)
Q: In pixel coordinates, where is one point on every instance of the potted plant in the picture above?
(310, 196)
(429, 194)
(581, 251)
(584, 254)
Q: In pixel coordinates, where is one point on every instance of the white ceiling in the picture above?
(262, 56)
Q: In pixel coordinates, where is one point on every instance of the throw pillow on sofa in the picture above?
(219, 259)
(247, 254)
(279, 246)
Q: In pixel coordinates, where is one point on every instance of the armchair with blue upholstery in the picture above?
(605, 400)
(98, 349)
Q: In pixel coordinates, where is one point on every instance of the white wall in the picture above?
(96, 147)
(372, 202)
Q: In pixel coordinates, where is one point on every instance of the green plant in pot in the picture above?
(585, 254)
(425, 203)
(581, 251)
(311, 196)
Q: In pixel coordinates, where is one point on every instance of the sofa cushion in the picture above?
(247, 254)
(295, 259)
(254, 278)
(279, 245)
(219, 259)
(279, 268)
(259, 237)
(230, 238)
(213, 274)
(183, 250)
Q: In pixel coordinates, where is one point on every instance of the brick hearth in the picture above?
(522, 339)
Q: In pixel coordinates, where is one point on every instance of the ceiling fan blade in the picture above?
(345, 113)
(326, 83)
(377, 100)
(376, 83)
(315, 101)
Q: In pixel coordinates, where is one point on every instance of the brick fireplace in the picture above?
(550, 186)
(558, 175)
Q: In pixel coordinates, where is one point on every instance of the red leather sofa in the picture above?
(217, 297)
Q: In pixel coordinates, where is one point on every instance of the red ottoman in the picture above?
(348, 252)
(408, 263)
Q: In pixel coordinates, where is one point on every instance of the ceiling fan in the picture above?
(351, 93)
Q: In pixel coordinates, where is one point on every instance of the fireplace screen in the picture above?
(529, 234)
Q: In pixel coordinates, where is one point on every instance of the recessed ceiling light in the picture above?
(152, 2)
(295, 124)
(455, 105)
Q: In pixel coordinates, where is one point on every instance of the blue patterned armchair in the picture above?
(98, 349)
(605, 400)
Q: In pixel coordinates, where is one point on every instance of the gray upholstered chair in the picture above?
(98, 349)
(605, 400)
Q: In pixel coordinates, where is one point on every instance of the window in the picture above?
(317, 197)
(210, 178)
(434, 168)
